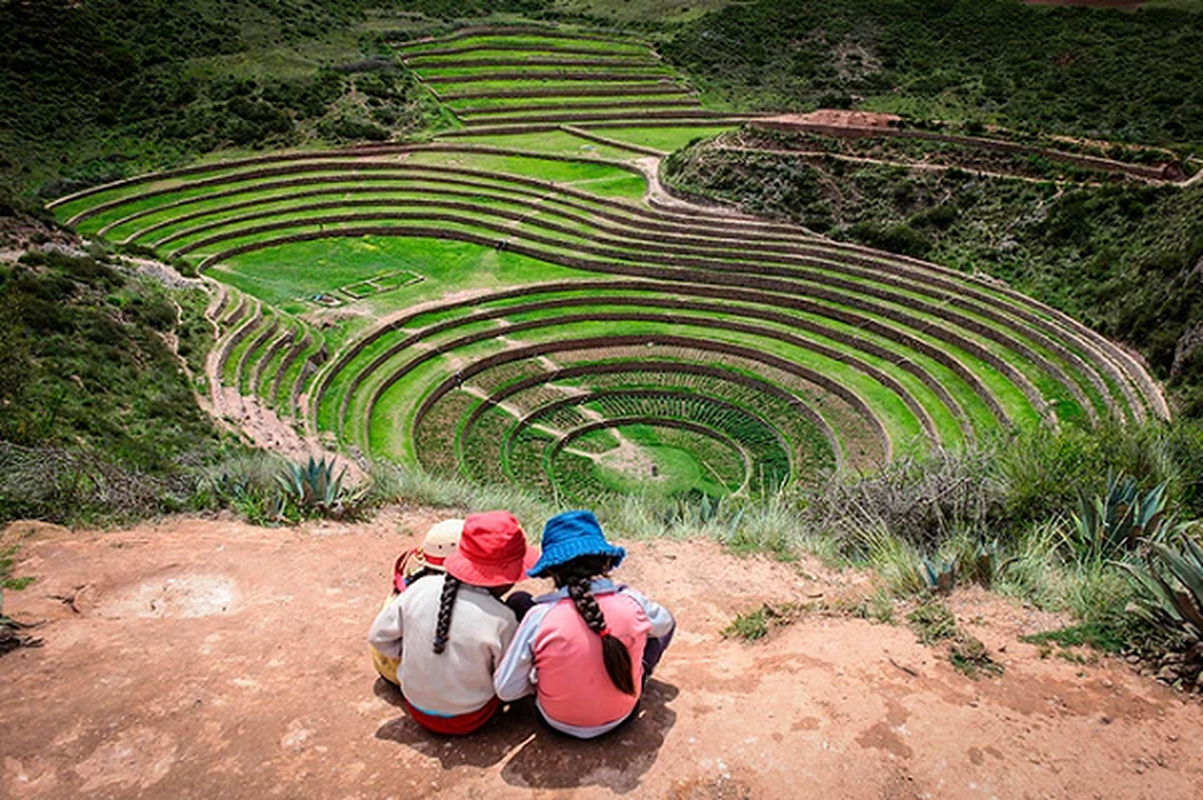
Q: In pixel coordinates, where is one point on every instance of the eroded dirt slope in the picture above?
(202, 659)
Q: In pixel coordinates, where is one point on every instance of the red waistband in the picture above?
(458, 725)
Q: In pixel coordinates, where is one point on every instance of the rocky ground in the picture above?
(207, 658)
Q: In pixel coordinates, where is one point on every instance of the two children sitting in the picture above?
(585, 650)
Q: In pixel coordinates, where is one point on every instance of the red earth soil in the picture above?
(208, 658)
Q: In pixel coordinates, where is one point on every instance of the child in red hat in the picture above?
(450, 631)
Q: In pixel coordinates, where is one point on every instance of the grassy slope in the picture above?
(87, 373)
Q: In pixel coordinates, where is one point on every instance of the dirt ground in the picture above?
(206, 658)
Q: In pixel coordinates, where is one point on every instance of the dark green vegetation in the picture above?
(1109, 74)
(758, 624)
(100, 90)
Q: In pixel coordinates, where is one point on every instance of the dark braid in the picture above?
(422, 573)
(577, 575)
(446, 606)
(580, 590)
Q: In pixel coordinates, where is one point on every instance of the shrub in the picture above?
(901, 239)
(348, 128)
(932, 622)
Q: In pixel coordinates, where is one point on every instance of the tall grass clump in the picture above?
(774, 524)
(393, 483)
(244, 482)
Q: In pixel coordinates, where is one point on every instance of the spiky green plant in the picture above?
(986, 560)
(1169, 586)
(941, 575)
(1111, 525)
(314, 489)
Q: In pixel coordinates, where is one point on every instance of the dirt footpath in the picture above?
(204, 659)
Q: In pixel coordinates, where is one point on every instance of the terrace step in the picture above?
(632, 90)
(604, 105)
(526, 77)
(253, 352)
(634, 118)
(679, 261)
(895, 344)
(426, 61)
(286, 334)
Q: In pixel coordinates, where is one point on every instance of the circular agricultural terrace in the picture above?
(505, 305)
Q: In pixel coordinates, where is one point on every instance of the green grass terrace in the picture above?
(515, 78)
(525, 316)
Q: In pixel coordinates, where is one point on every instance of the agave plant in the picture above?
(695, 508)
(313, 487)
(941, 576)
(1169, 586)
(1110, 525)
(986, 562)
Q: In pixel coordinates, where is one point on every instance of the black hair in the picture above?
(446, 606)
(577, 574)
(422, 573)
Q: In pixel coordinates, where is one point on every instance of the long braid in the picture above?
(580, 590)
(446, 606)
(577, 576)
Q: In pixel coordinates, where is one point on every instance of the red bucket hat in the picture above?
(492, 551)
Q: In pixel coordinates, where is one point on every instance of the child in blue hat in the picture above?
(585, 650)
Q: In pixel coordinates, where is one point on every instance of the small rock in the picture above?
(1106, 720)
(1133, 659)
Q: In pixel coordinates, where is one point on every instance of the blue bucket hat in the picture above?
(570, 535)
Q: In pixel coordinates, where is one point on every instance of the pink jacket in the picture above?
(557, 657)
